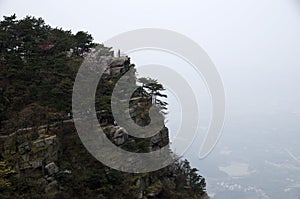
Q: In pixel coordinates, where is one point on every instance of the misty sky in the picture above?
(255, 44)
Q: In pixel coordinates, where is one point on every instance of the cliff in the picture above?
(41, 153)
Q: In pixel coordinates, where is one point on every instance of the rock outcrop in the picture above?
(37, 152)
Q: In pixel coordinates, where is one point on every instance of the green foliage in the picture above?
(38, 65)
(151, 88)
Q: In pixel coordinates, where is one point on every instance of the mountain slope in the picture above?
(41, 153)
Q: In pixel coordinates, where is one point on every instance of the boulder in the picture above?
(120, 136)
(52, 168)
(24, 148)
(39, 143)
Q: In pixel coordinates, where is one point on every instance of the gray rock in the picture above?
(50, 140)
(24, 148)
(39, 143)
(120, 136)
(118, 61)
(36, 163)
(52, 168)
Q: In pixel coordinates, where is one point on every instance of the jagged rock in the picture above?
(50, 140)
(118, 61)
(52, 168)
(119, 140)
(36, 163)
(120, 136)
(156, 138)
(39, 143)
(116, 70)
(42, 131)
(23, 148)
(113, 65)
(44, 150)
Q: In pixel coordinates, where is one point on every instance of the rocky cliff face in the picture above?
(54, 158)
(36, 153)
(41, 155)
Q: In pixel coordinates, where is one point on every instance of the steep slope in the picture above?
(40, 150)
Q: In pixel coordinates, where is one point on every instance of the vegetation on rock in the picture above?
(41, 154)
